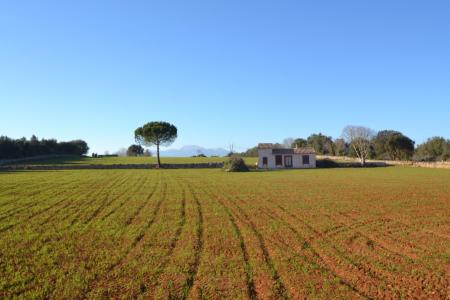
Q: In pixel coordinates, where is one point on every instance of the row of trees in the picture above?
(20, 148)
(365, 143)
(436, 148)
(152, 133)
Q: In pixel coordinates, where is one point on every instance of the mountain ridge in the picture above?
(190, 150)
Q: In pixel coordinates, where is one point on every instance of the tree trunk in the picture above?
(360, 155)
(157, 154)
(363, 161)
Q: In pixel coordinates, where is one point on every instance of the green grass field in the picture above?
(132, 160)
(209, 234)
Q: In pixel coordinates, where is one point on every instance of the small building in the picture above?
(271, 156)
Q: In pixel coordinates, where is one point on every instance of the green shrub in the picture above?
(235, 164)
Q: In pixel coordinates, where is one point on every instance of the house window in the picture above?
(305, 159)
(264, 162)
(278, 160)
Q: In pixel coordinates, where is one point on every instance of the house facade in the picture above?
(272, 157)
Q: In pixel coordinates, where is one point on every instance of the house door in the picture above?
(288, 161)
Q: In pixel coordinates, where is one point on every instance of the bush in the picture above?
(135, 150)
(236, 164)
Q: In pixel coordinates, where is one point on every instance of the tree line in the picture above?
(365, 143)
(20, 148)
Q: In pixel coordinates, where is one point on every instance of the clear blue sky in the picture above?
(223, 72)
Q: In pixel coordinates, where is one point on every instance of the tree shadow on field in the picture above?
(66, 160)
(47, 160)
(10, 172)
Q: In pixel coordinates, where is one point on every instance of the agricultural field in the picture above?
(373, 233)
(76, 160)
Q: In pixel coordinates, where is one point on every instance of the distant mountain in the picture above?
(191, 150)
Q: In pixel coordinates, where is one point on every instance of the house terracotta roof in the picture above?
(278, 150)
(282, 151)
(265, 146)
(305, 150)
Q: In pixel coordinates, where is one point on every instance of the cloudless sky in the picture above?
(223, 72)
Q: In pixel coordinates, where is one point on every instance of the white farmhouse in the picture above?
(272, 157)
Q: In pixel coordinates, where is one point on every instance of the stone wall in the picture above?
(351, 161)
(437, 164)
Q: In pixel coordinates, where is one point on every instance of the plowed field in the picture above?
(188, 234)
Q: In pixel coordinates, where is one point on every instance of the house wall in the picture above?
(297, 160)
(270, 159)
